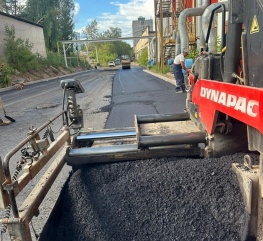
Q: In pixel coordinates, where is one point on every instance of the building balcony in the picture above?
(163, 7)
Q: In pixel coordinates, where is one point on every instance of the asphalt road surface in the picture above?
(36, 104)
(136, 92)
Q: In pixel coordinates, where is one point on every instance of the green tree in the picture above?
(18, 51)
(44, 13)
(123, 48)
(4, 6)
(66, 19)
(112, 33)
(55, 16)
(91, 31)
(107, 51)
(119, 47)
(12, 7)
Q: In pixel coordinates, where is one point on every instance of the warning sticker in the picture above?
(254, 26)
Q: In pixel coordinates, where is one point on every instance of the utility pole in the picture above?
(156, 34)
(65, 56)
(161, 36)
(15, 7)
(97, 58)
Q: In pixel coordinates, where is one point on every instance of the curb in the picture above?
(171, 81)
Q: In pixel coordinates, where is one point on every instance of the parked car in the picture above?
(117, 61)
(111, 64)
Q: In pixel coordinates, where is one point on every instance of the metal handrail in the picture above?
(8, 156)
(8, 179)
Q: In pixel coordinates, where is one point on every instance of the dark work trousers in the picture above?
(178, 75)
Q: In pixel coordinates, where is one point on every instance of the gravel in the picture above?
(166, 199)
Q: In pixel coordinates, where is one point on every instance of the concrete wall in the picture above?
(24, 30)
(139, 26)
(143, 43)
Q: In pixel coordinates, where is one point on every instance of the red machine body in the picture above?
(240, 102)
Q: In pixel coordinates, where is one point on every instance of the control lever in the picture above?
(75, 115)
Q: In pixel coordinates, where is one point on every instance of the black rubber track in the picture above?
(152, 200)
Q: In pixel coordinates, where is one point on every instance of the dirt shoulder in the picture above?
(34, 75)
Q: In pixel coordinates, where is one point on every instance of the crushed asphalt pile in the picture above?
(153, 200)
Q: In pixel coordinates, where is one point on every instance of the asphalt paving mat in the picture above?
(157, 200)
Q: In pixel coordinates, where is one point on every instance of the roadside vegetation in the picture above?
(143, 58)
(19, 59)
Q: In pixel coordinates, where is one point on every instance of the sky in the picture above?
(112, 13)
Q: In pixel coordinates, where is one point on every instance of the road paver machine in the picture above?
(223, 115)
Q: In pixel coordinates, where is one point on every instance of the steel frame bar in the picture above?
(34, 169)
(142, 119)
(21, 144)
(19, 227)
(167, 140)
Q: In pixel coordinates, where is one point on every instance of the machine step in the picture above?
(106, 135)
(102, 150)
(167, 140)
(154, 136)
(155, 118)
(127, 152)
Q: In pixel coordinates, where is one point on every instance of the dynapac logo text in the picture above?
(242, 104)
